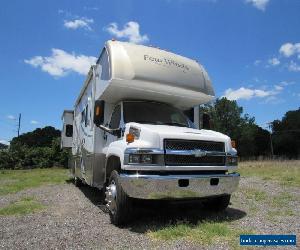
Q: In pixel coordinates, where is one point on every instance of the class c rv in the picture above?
(136, 132)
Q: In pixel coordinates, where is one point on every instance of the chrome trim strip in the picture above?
(161, 163)
(192, 152)
(167, 177)
(136, 167)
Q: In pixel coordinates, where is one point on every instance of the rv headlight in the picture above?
(144, 156)
(134, 158)
(146, 159)
(140, 158)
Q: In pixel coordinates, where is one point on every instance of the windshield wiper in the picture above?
(147, 122)
(175, 124)
(163, 123)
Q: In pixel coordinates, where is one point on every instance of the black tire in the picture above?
(77, 182)
(218, 204)
(122, 210)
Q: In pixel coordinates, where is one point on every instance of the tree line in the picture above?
(41, 147)
(37, 149)
(283, 139)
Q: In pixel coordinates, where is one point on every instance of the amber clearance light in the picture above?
(98, 111)
(233, 143)
(129, 138)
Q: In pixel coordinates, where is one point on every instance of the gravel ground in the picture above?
(75, 218)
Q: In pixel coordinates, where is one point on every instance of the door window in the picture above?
(115, 118)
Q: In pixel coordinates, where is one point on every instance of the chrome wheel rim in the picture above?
(111, 196)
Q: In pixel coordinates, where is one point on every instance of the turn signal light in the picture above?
(129, 138)
(97, 111)
(233, 143)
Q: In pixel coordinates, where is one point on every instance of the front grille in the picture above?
(173, 160)
(177, 160)
(172, 144)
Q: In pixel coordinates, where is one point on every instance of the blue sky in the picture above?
(251, 49)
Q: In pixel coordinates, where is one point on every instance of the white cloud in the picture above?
(278, 87)
(248, 93)
(11, 117)
(286, 83)
(61, 62)
(294, 67)
(4, 142)
(273, 100)
(130, 31)
(257, 62)
(79, 23)
(90, 8)
(259, 4)
(274, 61)
(289, 49)
(34, 122)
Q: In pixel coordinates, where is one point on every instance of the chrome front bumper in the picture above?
(178, 186)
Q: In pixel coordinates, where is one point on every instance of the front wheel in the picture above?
(118, 203)
(77, 182)
(218, 203)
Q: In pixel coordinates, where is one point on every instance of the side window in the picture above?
(115, 118)
(82, 116)
(69, 130)
(86, 119)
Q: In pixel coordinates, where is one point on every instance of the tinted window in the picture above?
(115, 118)
(69, 130)
(154, 113)
(83, 116)
(86, 119)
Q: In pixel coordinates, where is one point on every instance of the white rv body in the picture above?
(67, 131)
(135, 73)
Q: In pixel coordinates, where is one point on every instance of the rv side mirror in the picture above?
(206, 121)
(99, 112)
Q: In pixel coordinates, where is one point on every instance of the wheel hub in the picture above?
(111, 196)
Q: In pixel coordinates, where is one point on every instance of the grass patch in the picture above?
(274, 214)
(24, 206)
(204, 233)
(285, 172)
(12, 181)
(254, 194)
(280, 206)
(282, 200)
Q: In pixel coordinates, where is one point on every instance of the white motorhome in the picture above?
(131, 138)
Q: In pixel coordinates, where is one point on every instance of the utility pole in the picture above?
(19, 124)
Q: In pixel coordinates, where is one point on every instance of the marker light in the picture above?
(129, 138)
(233, 143)
(97, 110)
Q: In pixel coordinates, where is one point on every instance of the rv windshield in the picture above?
(154, 113)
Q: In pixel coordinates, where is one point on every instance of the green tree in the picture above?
(286, 134)
(40, 137)
(37, 149)
(227, 117)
